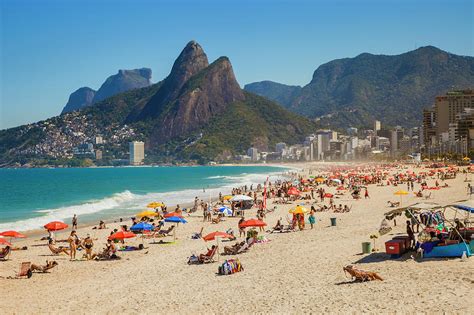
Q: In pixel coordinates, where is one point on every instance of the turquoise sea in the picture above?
(30, 198)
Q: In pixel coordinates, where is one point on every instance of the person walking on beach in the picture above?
(72, 245)
(311, 218)
(74, 222)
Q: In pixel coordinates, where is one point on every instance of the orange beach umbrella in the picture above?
(4, 242)
(121, 235)
(212, 236)
(252, 222)
(13, 234)
(55, 226)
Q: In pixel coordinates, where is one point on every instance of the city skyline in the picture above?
(84, 51)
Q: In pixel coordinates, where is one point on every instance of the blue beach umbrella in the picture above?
(142, 226)
(225, 210)
(175, 220)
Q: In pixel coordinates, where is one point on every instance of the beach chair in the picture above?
(210, 258)
(5, 252)
(25, 270)
(428, 196)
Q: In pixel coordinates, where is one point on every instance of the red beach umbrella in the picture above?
(13, 234)
(55, 226)
(328, 195)
(212, 236)
(340, 188)
(121, 235)
(173, 214)
(293, 191)
(252, 222)
(4, 242)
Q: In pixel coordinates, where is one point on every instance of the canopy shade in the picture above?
(466, 205)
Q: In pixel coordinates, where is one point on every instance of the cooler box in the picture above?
(395, 247)
(406, 239)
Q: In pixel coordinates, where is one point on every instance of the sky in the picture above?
(48, 49)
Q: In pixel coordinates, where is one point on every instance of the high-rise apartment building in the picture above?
(449, 105)
(137, 152)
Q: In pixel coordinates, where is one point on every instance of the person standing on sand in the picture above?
(411, 234)
(72, 245)
(366, 193)
(241, 229)
(311, 218)
(74, 222)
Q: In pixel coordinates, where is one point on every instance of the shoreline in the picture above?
(114, 218)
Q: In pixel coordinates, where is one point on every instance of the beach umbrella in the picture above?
(239, 198)
(293, 191)
(13, 234)
(212, 236)
(252, 222)
(320, 179)
(340, 188)
(55, 226)
(227, 197)
(146, 213)
(401, 193)
(225, 210)
(173, 214)
(298, 210)
(155, 204)
(142, 226)
(328, 195)
(175, 220)
(4, 242)
(121, 235)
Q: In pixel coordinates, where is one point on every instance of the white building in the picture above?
(253, 153)
(137, 152)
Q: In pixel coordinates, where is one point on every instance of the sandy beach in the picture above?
(293, 273)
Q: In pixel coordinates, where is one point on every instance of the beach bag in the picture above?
(229, 267)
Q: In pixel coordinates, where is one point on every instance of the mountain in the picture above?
(393, 89)
(197, 113)
(124, 80)
(280, 93)
(80, 98)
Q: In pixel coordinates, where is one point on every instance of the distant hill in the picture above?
(124, 80)
(280, 93)
(198, 113)
(393, 89)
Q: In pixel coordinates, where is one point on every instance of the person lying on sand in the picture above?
(57, 250)
(44, 268)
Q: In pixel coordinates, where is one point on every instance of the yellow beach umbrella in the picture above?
(227, 197)
(401, 193)
(155, 204)
(146, 213)
(320, 179)
(298, 210)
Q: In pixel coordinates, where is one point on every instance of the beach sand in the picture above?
(293, 273)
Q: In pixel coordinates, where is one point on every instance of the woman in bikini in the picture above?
(72, 245)
(88, 244)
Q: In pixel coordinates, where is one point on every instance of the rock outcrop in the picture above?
(78, 99)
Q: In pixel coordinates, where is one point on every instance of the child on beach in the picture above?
(312, 219)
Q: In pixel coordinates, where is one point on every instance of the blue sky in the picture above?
(50, 48)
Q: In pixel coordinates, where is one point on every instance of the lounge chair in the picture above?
(163, 233)
(5, 252)
(209, 258)
(25, 270)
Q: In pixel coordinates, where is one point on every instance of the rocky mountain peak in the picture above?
(80, 98)
(190, 61)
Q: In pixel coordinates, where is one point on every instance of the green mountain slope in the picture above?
(393, 89)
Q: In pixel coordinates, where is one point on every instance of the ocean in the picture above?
(30, 198)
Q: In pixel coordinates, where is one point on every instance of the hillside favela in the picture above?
(238, 157)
